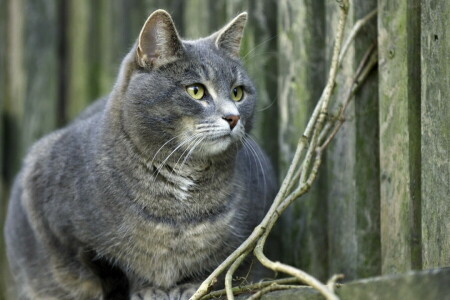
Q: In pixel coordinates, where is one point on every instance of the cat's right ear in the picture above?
(159, 42)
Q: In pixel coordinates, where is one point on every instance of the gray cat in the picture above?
(151, 187)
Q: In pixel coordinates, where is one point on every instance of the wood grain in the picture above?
(435, 120)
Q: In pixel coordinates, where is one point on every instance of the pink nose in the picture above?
(232, 120)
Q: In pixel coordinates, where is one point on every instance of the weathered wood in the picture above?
(196, 19)
(367, 172)
(42, 67)
(259, 54)
(301, 78)
(352, 182)
(399, 176)
(4, 276)
(340, 163)
(78, 86)
(30, 94)
(16, 87)
(435, 120)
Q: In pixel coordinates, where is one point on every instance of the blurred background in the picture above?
(380, 204)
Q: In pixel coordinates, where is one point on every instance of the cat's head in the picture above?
(187, 95)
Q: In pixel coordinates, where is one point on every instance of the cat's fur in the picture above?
(148, 187)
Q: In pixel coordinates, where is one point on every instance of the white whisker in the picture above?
(255, 152)
(176, 148)
(160, 148)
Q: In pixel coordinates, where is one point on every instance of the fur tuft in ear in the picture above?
(229, 37)
(158, 41)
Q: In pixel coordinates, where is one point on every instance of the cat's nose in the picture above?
(232, 120)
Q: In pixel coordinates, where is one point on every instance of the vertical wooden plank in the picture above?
(367, 170)
(399, 177)
(4, 276)
(13, 105)
(340, 163)
(30, 96)
(78, 82)
(16, 87)
(352, 161)
(259, 55)
(301, 77)
(435, 62)
(42, 65)
(196, 19)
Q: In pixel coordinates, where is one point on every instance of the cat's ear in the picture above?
(229, 37)
(159, 42)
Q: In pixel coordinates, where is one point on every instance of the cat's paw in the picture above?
(179, 292)
(151, 294)
(183, 292)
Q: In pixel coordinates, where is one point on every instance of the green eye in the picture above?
(237, 93)
(196, 91)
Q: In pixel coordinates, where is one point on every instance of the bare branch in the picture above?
(271, 288)
(229, 275)
(251, 287)
(355, 30)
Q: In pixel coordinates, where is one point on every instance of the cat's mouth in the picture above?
(217, 137)
(210, 137)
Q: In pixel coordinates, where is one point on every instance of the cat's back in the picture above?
(55, 164)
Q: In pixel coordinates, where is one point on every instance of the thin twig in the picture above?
(271, 288)
(230, 272)
(301, 275)
(366, 66)
(355, 30)
(331, 283)
(250, 287)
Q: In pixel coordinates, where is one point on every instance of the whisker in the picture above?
(259, 45)
(192, 150)
(255, 152)
(167, 158)
(160, 148)
(269, 105)
(193, 141)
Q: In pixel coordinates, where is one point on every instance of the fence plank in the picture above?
(77, 94)
(31, 92)
(399, 179)
(4, 276)
(367, 170)
(16, 87)
(13, 105)
(340, 163)
(196, 19)
(352, 162)
(259, 54)
(300, 82)
(435, 133)
(42, 67)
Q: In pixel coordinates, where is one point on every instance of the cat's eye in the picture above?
(196, 91)
(237, 93)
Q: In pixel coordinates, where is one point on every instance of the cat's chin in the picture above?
(217, 146)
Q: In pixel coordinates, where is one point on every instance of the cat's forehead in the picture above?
(209, 61)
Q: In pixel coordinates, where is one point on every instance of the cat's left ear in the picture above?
(229, 37)
(159, 42)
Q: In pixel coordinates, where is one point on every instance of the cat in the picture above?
(151, 187)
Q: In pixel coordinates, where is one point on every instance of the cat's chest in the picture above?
(165, 253)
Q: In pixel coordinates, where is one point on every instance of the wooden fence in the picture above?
(381, 204)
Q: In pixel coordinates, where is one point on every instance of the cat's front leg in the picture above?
(179, 292)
